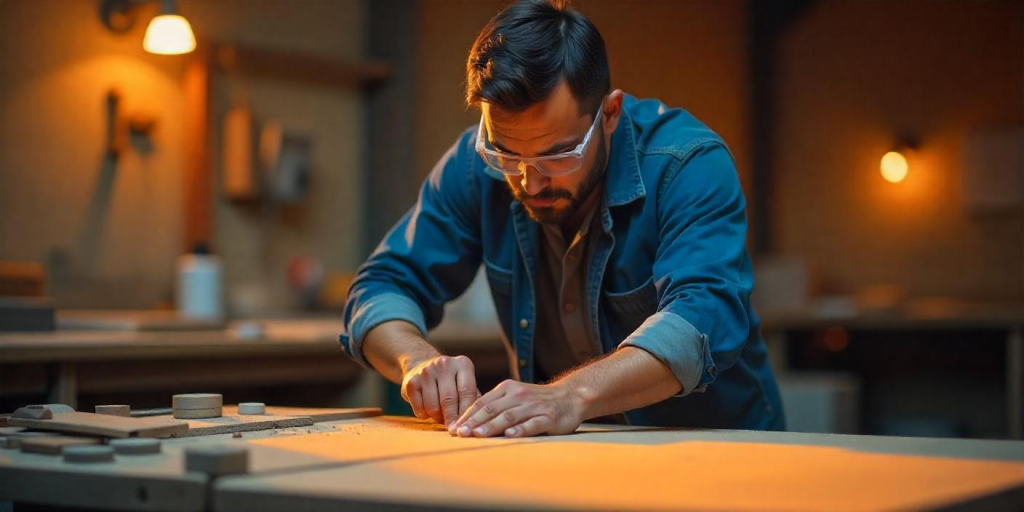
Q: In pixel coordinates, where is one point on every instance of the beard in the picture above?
(552, 215)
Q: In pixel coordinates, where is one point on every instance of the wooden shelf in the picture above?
(299, 67)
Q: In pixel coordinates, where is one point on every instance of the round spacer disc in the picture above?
(217, 459)
(135, 446)
(252, 408)
(197, 401)
(94, 453)
(59, 408)
(197, 414)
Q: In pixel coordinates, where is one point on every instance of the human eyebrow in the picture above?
(497, 145)
(559, 147)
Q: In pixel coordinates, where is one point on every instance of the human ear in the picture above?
(611, 110)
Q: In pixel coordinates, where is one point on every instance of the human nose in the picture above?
(533, 181)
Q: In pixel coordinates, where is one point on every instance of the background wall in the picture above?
(853, 76)
(683, 53)
(118, 229)
(58, 202)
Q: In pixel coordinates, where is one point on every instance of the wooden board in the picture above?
(275, 417)
(317, 415)
(54, 445)
(232, 424)
(108, 426)
(688, 475)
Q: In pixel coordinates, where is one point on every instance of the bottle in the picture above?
(199, 287)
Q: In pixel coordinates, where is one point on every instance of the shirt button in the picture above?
(522, 363)
(524, 323)
(570, 307)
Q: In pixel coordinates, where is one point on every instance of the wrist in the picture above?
(408, 362)
(582, 398)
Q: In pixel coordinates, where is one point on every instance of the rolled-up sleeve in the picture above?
(676, 343)
(383, 308)
(701, 271)
(427, 259)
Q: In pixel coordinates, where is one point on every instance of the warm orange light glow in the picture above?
(894, 167)
(169, 34)
(836, 339)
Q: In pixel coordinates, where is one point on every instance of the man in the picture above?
(612, 232)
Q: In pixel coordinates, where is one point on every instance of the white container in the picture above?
(200, 287)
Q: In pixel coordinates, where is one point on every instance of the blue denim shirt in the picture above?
(670, 273)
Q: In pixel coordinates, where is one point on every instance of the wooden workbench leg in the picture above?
(63, 384)
(1015, 382)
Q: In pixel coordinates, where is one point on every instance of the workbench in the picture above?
(398, 463)
(63, 364)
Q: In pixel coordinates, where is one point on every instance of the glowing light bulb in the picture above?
(894, 167)
(169, 34)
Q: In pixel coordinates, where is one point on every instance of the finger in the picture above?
(486, 413)
(431, 405)
(449, 399)
(481, 402)
(534, 426)
(415, 399)
(504, 420)
(465, 382)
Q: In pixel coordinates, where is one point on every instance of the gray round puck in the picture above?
(88, 454)
(136, 446)
(217, 459)
(197, 414)
(197, 401)
(59, 408)
(252, 408)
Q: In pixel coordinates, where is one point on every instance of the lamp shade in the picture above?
(169, 34)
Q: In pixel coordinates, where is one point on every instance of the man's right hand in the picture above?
(440, 388)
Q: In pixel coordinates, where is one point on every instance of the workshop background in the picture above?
(880, 145)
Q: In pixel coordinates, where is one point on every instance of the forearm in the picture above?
(627, 379)
(394, 347)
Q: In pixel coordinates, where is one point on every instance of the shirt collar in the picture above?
(623, 184)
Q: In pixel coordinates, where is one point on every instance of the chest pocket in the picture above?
(629, 309)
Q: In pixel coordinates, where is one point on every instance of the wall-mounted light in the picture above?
(894, 166)
(168, 33)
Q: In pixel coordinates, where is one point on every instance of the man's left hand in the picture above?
(517, 409)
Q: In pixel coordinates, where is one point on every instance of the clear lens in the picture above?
(506, 164)
(548, 167)
(559, 166)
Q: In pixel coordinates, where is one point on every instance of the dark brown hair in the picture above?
(523, 53)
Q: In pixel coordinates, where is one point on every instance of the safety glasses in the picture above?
(548, 165)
